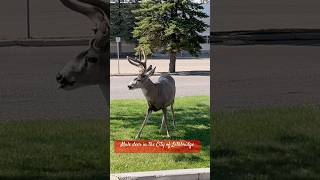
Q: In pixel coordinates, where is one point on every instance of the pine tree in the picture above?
(122, 21)
(170, 26)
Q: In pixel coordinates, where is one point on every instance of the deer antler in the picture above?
(144, 57)
(136, 62)
(149, 68)
(133, 61)
(98, 13)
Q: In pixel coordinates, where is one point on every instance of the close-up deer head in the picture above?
(144, 73)
(90, 67)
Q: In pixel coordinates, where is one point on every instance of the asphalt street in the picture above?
(185, 86)
(261, 76)
(244, 76)
(28, 89)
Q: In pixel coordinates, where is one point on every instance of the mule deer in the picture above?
(159, 95)
(90, 67)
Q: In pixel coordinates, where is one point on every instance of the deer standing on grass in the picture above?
(90, 67)
(159, 95)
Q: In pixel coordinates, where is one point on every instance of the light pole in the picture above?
(118, 39)
(28, 19)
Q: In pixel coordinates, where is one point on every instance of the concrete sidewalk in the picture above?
(177, 174)
(182, 65)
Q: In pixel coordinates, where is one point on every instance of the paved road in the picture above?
(228, 15)
(186, 86)
(244, 76)
(28, 89)
(259, 76)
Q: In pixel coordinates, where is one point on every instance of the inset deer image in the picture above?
(90, 67)
(159, 95)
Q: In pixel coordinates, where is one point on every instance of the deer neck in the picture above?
(149, 90)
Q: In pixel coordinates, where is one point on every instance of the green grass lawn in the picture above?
(192, 117)
(275, 143)
(54, 150)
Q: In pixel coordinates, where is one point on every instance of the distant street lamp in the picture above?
(28, 19)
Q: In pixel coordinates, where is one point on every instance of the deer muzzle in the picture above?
(63, 81)
(130, 87)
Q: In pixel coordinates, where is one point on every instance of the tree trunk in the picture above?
(172, 64)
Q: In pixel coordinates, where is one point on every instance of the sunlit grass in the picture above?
(192, 117)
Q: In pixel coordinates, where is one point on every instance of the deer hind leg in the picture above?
(173, 116)
(164, 121)
(143, 123)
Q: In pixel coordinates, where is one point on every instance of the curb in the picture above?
(135, 74)
(264, 35)
(45, 42)
(178, 174)
(180, 73)
(132, 74)
(223, 37)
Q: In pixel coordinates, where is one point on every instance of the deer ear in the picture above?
(151, 72)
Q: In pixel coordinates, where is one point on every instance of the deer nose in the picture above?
(59, 77)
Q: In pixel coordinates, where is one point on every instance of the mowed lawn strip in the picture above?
(273, 143)
(53, 150)
(192, 118)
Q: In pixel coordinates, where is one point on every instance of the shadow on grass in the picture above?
(292, 153)
(294, 160)
(70, 149)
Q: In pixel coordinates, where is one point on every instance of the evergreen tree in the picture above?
(122, 21)
(170, 26)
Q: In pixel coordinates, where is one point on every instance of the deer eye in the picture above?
(92, 59)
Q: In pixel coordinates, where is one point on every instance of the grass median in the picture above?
(192, 117)
(273, 143)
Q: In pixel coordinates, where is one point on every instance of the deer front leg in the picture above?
(164, 121)
(173, 116)
(143, 123)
